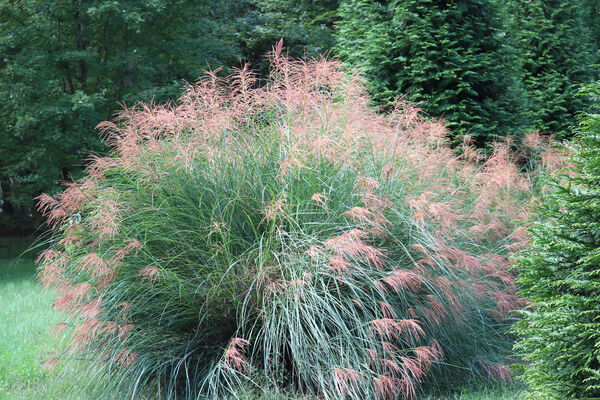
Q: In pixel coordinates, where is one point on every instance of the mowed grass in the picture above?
(26, 316)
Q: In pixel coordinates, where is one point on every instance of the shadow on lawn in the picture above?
(17, 255)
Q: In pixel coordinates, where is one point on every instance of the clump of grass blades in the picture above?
(286, 236)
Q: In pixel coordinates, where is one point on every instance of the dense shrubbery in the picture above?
(454, 56)
(560, 274)
(285, 236)
(557, 52)
(490, 68)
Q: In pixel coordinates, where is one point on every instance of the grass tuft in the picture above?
(284, 237)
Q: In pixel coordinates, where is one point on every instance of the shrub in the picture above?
(284, 236)
(559, 273)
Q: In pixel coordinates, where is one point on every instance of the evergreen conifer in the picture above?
(560, 273)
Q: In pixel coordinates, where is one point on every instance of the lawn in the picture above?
(25, 345)
(25, 318)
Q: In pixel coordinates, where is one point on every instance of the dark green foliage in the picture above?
(592, 20)
(453, 56)
(364, 40)
(306, 26)
(64, 65)
(557, 52)
(560, 273)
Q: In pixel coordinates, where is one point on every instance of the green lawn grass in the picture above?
(26, 316)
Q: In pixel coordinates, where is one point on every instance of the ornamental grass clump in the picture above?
(284, 236)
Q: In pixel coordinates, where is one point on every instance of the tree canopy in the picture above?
(66, 64)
